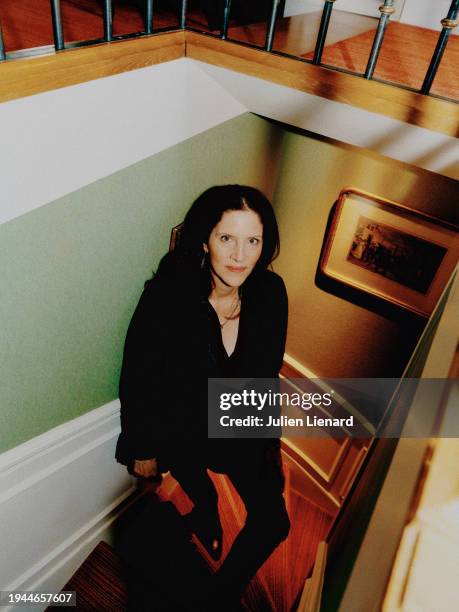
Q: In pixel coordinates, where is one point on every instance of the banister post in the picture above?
(323, 29)
(182, 19)
(386, 10)
(58, 32)
(225, 23)
(272, 26)
(2, 46)
(108, 20)
(449, 23)
(149, 17)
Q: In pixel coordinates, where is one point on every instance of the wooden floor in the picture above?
(27, 24)
(297, 35)
(404, 58)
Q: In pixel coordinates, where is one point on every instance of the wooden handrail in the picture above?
(391, 101)
(26, 77)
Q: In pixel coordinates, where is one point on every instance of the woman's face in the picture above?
(235, 246)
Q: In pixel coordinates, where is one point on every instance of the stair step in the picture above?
(170, 559)
(99, 582)
(277, 567)
(310, 525)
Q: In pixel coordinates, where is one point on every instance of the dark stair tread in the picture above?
(155, 567)
(99, 582)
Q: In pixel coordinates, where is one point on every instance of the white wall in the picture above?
(59, 495)
(297, 7)
(56, 142)
(425, 13)
(361, 7)
(408, 143)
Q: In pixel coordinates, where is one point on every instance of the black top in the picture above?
(174, 344)
(220, 364)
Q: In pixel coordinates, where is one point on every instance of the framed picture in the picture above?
(389, 250)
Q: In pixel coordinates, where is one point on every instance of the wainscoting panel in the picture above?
(60, 492)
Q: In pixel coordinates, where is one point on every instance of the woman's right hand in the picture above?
(146, 467)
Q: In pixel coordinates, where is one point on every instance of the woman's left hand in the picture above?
(146, 468)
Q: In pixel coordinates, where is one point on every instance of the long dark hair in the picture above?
(207, 210)
(204, 214)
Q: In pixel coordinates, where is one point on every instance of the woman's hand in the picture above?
(146, 467)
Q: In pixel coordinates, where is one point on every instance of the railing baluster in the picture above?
(183, 9)
(225, 24)
(149, 17)
(449, 23)
(2, 46)
(323, 29)
(272, 26)
(108, 20)
(58, 32)
(386, 10)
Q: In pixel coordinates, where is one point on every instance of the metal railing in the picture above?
(58, 31)
(108, 20)
(386, 10)
(449, 23)
(2, 46)
(323, 29)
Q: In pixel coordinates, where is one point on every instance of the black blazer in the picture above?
(163, 383)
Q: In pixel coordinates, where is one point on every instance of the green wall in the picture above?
(332, 336)
(72, 271)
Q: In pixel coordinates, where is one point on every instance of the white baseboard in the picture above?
(59, 495)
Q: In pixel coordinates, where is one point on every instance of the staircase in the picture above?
(100, 582)
(280, 580)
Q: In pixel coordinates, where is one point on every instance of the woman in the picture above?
(213, 309)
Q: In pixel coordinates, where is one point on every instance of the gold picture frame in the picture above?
(389, 250)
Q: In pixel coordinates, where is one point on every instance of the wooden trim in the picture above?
(25, 77)
(391, 101)
(454, 369)
(327, 478)
(312, 591)
(345, 487)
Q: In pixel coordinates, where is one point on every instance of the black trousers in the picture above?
(254, 468)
